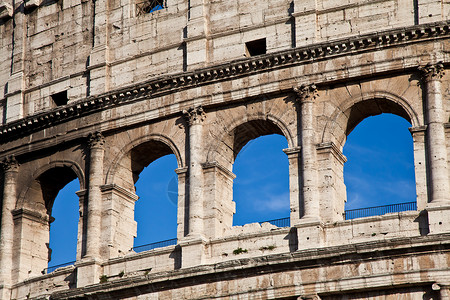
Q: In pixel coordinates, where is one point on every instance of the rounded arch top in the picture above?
(163, 145)
(245, 128)
(355, 109)
(45, 183)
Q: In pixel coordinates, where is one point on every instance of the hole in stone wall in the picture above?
(60, 98)
(261, 187)
(380, 166)
(256, 47)
(149, 6)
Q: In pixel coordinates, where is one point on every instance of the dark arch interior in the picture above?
(252, 130)
(361, 110)
(145, 154)
(52, 181)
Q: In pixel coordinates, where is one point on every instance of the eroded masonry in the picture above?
(97, 90)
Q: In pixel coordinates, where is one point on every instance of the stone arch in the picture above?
(355, 109)
(120, 181)
(59, 169)
(220, 158)
(33, 213)
(164, 146)
(232, 135)
(343, 120)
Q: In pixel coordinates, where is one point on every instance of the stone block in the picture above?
(88, 272)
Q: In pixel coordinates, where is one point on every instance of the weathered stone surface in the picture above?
(97, 90)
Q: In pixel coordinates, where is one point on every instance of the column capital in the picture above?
(96, 140)
(432, 71)
(10, 164)
(306, 92)
(194, 115)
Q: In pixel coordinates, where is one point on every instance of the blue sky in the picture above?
(379, 171)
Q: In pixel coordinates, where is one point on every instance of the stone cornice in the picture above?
(242, 67)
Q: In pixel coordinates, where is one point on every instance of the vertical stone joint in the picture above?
(194, 115)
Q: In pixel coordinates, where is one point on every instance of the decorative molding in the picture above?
(421, 129)
(125, 193)
(96, 140)
(10, 164)
(306, 93)
(432, 71)
(216, 165)
(6, 10)
(30, 4)
(194, 115)
(293, 151)
(173, 83)
(331, 147)
(182, 170)
(31, 215)
(81, 193)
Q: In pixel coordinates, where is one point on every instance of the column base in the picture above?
(5, 292)
(438, 217)
(310, 234)
(89, 271)
(193, 251)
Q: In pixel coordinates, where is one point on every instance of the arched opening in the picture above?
(380, 167)
(153, 167)
(64, 226)
(156, 209)
(261, 186)
(253, 151)
(48, 247)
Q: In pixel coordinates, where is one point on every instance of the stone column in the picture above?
(96, 142)
(305, 97)
(436, 144)
(295, 180)
(10, 168)
(195, 117)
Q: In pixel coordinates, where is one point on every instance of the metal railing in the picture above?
(151, 246)
(379, 210)
(53, 268)
(283, 222)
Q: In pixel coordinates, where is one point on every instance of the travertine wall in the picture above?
(180, 80)
(85, 48)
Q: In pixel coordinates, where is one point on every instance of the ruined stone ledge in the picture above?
(286, 262)
(235, 69)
